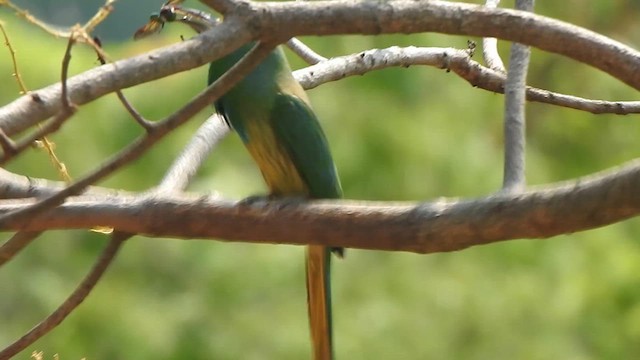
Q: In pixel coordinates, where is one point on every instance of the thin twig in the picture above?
(48, 128)
(211, 130)
(21, 239)
(189, 161)
(67, 110)
(12, 52)
(9, 147)
(76, 297)
(146, 124)
(66, 60)
(490, 46)
(143, 143)
(514, 113)
(99, 17)
(305, 52)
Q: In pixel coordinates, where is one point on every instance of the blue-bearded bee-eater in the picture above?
(273, 116)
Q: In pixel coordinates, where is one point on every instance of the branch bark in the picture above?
(284, 20)
(514, 112)
(438, 226)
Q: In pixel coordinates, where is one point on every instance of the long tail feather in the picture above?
(319, 301)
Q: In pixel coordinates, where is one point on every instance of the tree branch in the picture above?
(139, 146)
(68, 305)
(442, 225)
(15, 244)
(306, 53)
(189, 161)
(514, 112)
(490, 46)
(67, 110)
(288, 19)
(452, 59)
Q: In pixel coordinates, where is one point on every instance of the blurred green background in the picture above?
(398, 134)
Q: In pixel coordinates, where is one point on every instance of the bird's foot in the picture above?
(255, 200)
(278, 202)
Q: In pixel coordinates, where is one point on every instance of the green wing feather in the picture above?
(298, 130)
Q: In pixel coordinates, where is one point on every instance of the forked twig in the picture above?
(67, 110)
(162, 128)
(191, 158)
(21, 239)
(146, 124)
(12, 52)
(455, 60)
(8, 146)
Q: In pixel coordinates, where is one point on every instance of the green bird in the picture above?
(273, 116)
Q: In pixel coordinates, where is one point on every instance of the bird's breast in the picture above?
(275, 163)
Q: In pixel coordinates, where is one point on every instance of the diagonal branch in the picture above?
(44, 103)
(67, 110)
(139, 146)
(189, 161)
(14, 186)
(490, 46)
(67, 306)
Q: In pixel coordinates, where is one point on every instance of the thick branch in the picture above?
(186, 165)
(443, 225)
(284, 20)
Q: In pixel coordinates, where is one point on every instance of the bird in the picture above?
(273, 116)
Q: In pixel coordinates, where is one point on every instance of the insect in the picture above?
(172, 11)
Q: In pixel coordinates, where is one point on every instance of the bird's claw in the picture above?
(277, 202)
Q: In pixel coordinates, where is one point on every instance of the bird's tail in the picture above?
(319, 301)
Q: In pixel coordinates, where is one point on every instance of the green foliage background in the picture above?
(398, 134)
